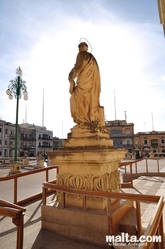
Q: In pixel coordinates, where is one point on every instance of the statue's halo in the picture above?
(81, 40)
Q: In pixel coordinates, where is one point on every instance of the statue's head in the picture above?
(83, 46)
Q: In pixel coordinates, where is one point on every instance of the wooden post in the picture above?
(138, 218)
(109, 213)
(44, 196)
(84, 203)
(15, 190)
(158, 165)
(47, 175)
(136, 167)
(63, 199)
(160, 245)
(131, 177)
(18, 221)
(146, 165)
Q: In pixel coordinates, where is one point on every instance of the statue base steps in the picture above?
(88, 226)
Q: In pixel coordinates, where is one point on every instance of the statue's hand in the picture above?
(72, 86)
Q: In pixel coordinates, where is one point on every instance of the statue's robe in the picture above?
(84, 101)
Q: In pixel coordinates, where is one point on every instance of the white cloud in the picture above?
(129, 56)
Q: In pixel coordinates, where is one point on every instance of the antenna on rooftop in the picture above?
(125, 115)
(115, 104)
(152, 121)
(43, 110)
(25, 114)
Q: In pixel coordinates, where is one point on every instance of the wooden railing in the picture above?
(15, 178)
(17, 214)
(131, 168)
(155, 227)
(7, 160)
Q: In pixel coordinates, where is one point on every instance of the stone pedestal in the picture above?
(40, 163)
(40, 160)
(25, 161)
(89, 163)
(15, 168)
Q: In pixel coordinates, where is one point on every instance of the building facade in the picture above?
(35, 139)
(121, 132)
(147, 142)
(32, 138)
(7, 131)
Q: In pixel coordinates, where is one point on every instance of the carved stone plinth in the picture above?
(25, 161)
(15, 168)
(40, 163)
(90, 164)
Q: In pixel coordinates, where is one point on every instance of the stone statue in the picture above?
(85, 91)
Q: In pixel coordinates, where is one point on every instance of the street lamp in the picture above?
(16, 88)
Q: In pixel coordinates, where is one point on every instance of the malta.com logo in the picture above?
(124, 239)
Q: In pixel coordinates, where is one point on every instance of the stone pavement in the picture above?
(34, 236)
(37, 238)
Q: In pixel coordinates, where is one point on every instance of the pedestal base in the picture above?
(40, 163)
(84, 226)
(90, 164)
(15, 168)
(25, 161)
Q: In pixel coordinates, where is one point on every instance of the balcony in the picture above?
(154, 145)
(27, 147)
(127, 146)
(12, 136)
(121, 135)
(44, 138)
(44, 146)
(28, 138)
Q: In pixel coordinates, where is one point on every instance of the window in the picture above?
(154, 142)
(128, 142)
(145, 141)
(127, 131)
(162, 141)
(0, 129)
(117, 143)
(115, 133)
(5, 142)
(6, 131)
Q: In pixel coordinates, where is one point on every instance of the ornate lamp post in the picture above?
(16, 88)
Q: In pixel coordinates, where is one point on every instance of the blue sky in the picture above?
(42, 37)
